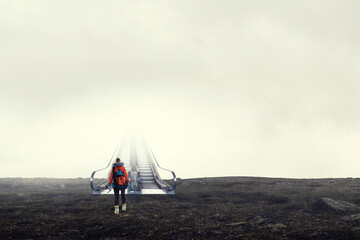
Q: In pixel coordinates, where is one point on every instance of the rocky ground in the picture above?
(207, 208)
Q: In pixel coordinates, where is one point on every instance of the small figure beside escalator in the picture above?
(120, 181)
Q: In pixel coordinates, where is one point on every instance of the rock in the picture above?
(256, 220)
(236, 223)
(352, 218)
(97, 227)
(185, 229)
(341, 206)
(216, 232)
(276, 227)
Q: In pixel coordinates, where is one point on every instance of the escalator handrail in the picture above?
(93, 174)
(174, 175)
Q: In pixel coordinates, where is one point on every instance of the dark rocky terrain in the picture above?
(208, 208)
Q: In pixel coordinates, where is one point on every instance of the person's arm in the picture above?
(111, 177)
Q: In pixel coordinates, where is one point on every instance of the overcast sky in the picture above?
(218, 88)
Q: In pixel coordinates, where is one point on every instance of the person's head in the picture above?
(118, 160)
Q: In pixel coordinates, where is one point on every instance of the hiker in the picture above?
(120, 181)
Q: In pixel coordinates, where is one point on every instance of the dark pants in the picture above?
(116, 192)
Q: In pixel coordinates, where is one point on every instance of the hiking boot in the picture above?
(124, 207)
(116, 209)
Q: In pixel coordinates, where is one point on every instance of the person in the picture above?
(119, 180)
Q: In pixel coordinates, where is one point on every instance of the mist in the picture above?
(218, 89)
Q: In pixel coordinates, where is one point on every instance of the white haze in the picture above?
(218, 88)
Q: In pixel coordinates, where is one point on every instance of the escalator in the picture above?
(141, 166)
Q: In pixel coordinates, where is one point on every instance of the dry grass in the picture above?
(210, 208)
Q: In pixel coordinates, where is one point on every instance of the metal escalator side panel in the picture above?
(157, 179)
(98, 189)
(160, 181)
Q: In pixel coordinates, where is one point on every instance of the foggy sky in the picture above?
(218, 88)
